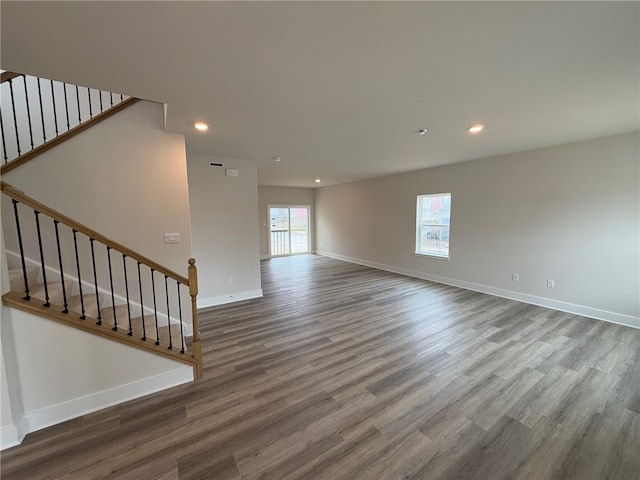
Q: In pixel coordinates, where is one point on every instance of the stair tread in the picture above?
(16, 277)
(150, 329)
(54, 289)
(107, 313)
(90, 307)
(162, 335)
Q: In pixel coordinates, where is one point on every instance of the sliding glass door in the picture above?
(289, 230)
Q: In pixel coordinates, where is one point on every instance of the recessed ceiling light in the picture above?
(422, 131)
(276, 159)
(201, 126)
(477, 128)
(317, 180)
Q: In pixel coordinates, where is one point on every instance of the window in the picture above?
(289, 232)
(433, 215)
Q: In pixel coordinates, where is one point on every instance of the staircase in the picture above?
(32, 124)
(90, 309)
(64, 271)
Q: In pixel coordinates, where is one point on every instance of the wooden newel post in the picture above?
(193, 291)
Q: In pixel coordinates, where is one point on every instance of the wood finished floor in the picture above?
(343, 372)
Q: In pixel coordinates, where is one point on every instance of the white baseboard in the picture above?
(52, 415)
(13, 435)
(598, 314)
(229, 298)
(265, 257)
(10, 436)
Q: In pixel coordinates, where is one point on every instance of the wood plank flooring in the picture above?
(342, 372)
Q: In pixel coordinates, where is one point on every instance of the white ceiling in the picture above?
(337, 89)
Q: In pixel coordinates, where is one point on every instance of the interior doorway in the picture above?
(288, 230)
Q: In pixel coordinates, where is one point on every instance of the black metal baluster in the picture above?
(166, 290)
(126, 290)
(66, 105)
(78, 100)
(95, 281)
(111, 98)
(89, 98)
(75, 246)
(55, 112)
(15, 119)
(44, 270)
(155, 307)
(26, 97)
(64, 289)
(24, 266)
(4, 143)
(144, 327)
(101, 108)
(44, 133)
(180, 312)
(113, 296)
(121, 97)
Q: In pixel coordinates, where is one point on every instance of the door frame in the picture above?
(289, 205)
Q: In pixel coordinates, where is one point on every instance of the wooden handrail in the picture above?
(193, 292)
(6, 76)
(63, 137)
(20, 196)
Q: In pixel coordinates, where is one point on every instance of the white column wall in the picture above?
(224, 222)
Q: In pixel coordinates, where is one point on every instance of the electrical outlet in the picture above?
(229, 280)
(551, 283)
(515, 277)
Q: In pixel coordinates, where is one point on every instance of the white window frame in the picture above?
(431, 253)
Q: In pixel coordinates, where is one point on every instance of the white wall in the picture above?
(224, 222)
(127, 179)
(568, 213)
(282, 196)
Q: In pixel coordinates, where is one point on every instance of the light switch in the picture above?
(172, 237)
